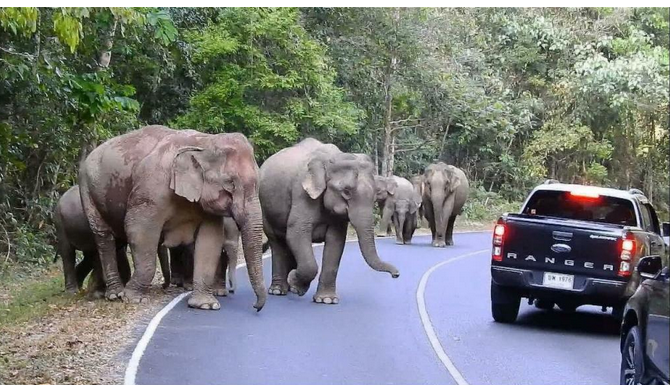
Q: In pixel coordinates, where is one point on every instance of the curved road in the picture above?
(376, 335)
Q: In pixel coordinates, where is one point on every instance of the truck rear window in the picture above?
(563, 204)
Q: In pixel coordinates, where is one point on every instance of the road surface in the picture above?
(376, 334)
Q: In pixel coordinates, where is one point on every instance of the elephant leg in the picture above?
(106, 245)
(124, 265)
(230, 247)
(144, 233)
(410, 227)
(332, 254)
(96, 282)
(177, 266)
(450, 230)
(220, 278)
(385, 222)
(398, 229)
(207, 256)
(163, 259)
(231, 266)
(84, 267)
(69, 257)
(299, 240)
(282, 263)
(188, 255)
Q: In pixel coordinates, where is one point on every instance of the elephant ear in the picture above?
(454, 179)
(314, 182)
(187, 174)
(391, 186)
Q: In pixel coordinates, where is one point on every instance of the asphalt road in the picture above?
(375, 334)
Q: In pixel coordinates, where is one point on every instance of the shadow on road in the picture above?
(579, 322)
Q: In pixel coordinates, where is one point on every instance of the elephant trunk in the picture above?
(363, 223)
(438, 199)
(251, 228)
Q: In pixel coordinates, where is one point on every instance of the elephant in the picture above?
(417, 182)
(404, 205)
(309, 193)
(181, 262)
(156, 183)
(74, 233)
(445, 192)
(384, 190)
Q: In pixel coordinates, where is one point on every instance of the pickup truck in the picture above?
(572, 245)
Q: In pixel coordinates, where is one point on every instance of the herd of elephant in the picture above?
(188, 197)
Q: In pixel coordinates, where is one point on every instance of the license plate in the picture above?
(558, 281)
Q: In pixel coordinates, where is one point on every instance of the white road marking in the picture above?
(134, 363)
(428, 326)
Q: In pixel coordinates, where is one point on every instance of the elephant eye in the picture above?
(346, 193)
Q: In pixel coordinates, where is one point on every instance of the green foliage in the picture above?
(510, 95)
(266, 78)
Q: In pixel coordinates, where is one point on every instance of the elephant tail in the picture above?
(266, 246)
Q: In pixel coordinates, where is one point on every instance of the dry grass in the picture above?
(49, 337)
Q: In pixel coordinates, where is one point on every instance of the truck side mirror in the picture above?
(665, 229)
(648, 267)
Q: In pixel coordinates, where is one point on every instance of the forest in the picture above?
(510, 95)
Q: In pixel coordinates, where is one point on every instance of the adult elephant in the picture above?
(445, 192)
(384, 190)
(73, 233)
(156, 183)
(309, 193)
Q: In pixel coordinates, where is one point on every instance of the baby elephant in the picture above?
(74, 233)
(181, 262)
(401, 205)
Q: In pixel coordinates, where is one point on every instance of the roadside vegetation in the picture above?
(511, 96)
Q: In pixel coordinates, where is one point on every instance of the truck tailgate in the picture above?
(562, 246)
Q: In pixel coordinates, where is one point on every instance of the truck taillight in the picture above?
(498, 240)
(628, 248)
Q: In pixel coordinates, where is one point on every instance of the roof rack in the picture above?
(551, 181)
(635, 191)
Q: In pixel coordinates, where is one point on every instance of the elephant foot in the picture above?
(96, 294)
(71, 290)
(399, 242)
(450, 242)
(295, 285)
(179, 282)
(439, 244)
(188, 286)
(379, 235)
(326, 296)
(134, 296)
(221, 292)
(114, 292)
(203, 301)
(278, 289)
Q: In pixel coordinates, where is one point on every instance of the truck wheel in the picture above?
(504, 304)
(544, 304)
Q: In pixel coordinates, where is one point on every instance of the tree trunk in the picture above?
(106, 52)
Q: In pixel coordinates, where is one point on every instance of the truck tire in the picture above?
(504, 304)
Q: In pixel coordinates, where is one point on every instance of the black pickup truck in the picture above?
(572, 245)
